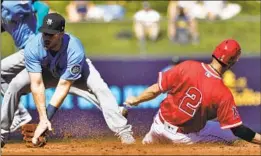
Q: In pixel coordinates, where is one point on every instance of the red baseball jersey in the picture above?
(195, 94)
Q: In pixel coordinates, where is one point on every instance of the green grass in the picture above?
(100, 39)
(248, 7)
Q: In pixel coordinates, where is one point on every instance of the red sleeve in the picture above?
(227, 113)
(169, 79)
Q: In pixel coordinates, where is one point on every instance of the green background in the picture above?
(99, 39)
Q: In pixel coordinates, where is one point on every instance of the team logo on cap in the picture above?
(49, 22)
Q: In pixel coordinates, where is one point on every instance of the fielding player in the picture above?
(57, 59)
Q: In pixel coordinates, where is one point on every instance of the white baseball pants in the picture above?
(166, 133)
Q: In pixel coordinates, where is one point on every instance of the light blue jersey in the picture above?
(69, 63)
(19, 20)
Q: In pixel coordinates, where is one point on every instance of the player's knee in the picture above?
(15, 87)
(101, 88)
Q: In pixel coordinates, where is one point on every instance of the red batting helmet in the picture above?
(227, 52)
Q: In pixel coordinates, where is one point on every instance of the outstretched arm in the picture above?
(60, 93)
(150, 93)
(38, 91)
(247, 134)
(57, 99)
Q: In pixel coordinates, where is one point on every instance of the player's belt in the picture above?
(179, 130)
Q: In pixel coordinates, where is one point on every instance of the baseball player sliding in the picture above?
(195, 95)
(57, 59)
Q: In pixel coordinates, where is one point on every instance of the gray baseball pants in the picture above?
(10, 67)
(102, 97)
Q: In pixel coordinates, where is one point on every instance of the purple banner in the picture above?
(76, 118)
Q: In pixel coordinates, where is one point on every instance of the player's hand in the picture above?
(131, 101)
(41, 128)
(28, 133)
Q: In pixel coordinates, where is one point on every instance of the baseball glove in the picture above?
(28, 133)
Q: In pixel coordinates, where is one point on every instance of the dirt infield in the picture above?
(114, 147)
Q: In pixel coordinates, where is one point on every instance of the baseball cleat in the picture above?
(127, 138)
(4, 136)
(20, 120)
(2, 141)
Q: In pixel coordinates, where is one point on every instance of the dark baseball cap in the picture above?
(53, 23)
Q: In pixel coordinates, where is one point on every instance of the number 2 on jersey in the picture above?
(191, 101)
